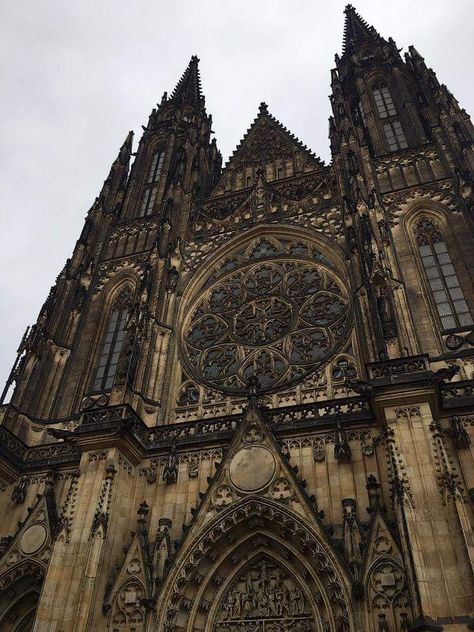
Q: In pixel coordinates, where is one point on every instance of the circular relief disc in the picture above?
(33, 539)
(252, 468)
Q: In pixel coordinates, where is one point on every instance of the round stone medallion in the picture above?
(33, 539)
(252, 468)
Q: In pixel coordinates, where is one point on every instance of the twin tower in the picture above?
(247, 402)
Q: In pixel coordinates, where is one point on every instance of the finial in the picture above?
(263, 108)
(349, 8)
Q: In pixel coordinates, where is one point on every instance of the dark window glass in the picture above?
(394, 135)
(384, 102)
(151, 189)
(443, 281)
(110, 352)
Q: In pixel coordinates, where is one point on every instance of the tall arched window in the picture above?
(393, 130)
(441, 275)
(151, 187)
(112, 344)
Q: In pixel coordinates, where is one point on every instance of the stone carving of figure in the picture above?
(170, 472)
(385, 312)
(172, 279)
(19, 492)
(264, 591)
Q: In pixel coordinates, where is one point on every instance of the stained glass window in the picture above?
(395, 135)
(151, 189)
(384, 102)
(111, 347)
(393, 130)
(441, 276)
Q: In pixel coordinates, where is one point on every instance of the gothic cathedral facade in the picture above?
(247, 402)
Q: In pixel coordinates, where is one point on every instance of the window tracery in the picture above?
(272, 311)
(442, 279)
(128, 613)
(112, 343)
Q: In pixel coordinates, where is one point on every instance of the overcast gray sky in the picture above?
(77, 75)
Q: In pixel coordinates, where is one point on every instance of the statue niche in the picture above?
(264, 597)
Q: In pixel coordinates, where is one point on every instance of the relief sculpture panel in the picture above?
(264, 598)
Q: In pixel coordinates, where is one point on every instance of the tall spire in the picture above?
(188, 88)
(356, 29)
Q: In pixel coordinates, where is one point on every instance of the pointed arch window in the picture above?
(112, 345)
(151, 188)
(384, 101)
(393, 130)
(441, 276)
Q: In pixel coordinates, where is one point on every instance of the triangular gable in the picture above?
(135, 574)
(254, 500)
(254, 466)
(266, 140)
(32, 541)
(381, 544)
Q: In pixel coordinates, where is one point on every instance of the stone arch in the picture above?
(20, 589)
(442, 224)
(251, 529)
(118, 291)
(388, 601)
(403, 205)
(328, 247)
(290, 601)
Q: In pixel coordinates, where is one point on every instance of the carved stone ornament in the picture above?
(271, 312)
(252, 468)
(264, 598)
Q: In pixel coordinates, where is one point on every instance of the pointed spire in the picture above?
(125, 150)
(188, 88)
(356, 29)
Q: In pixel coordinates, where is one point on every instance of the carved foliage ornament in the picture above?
(276, 315)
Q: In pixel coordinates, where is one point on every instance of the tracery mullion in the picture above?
(433, 250)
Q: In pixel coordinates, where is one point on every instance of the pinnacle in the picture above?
(356, 29)
(126, 149)
(188, 88)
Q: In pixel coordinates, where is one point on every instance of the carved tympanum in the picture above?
(264, 598)
(273, 312)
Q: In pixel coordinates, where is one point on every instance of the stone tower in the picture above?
(247, 401)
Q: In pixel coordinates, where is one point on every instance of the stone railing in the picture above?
(12, 446)
(457, 394)
(47, 455)
(399, 367)
(123, 418)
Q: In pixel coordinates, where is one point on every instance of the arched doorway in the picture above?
(258, 567)
(19, 598)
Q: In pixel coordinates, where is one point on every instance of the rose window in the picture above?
(272, 314)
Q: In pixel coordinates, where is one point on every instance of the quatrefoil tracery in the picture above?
(273, 315)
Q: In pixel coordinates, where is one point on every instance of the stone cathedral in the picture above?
(247, 403)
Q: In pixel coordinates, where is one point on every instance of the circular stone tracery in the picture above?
(276, 311)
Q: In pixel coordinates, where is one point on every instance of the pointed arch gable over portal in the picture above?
(255, 530)
(256, 556)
